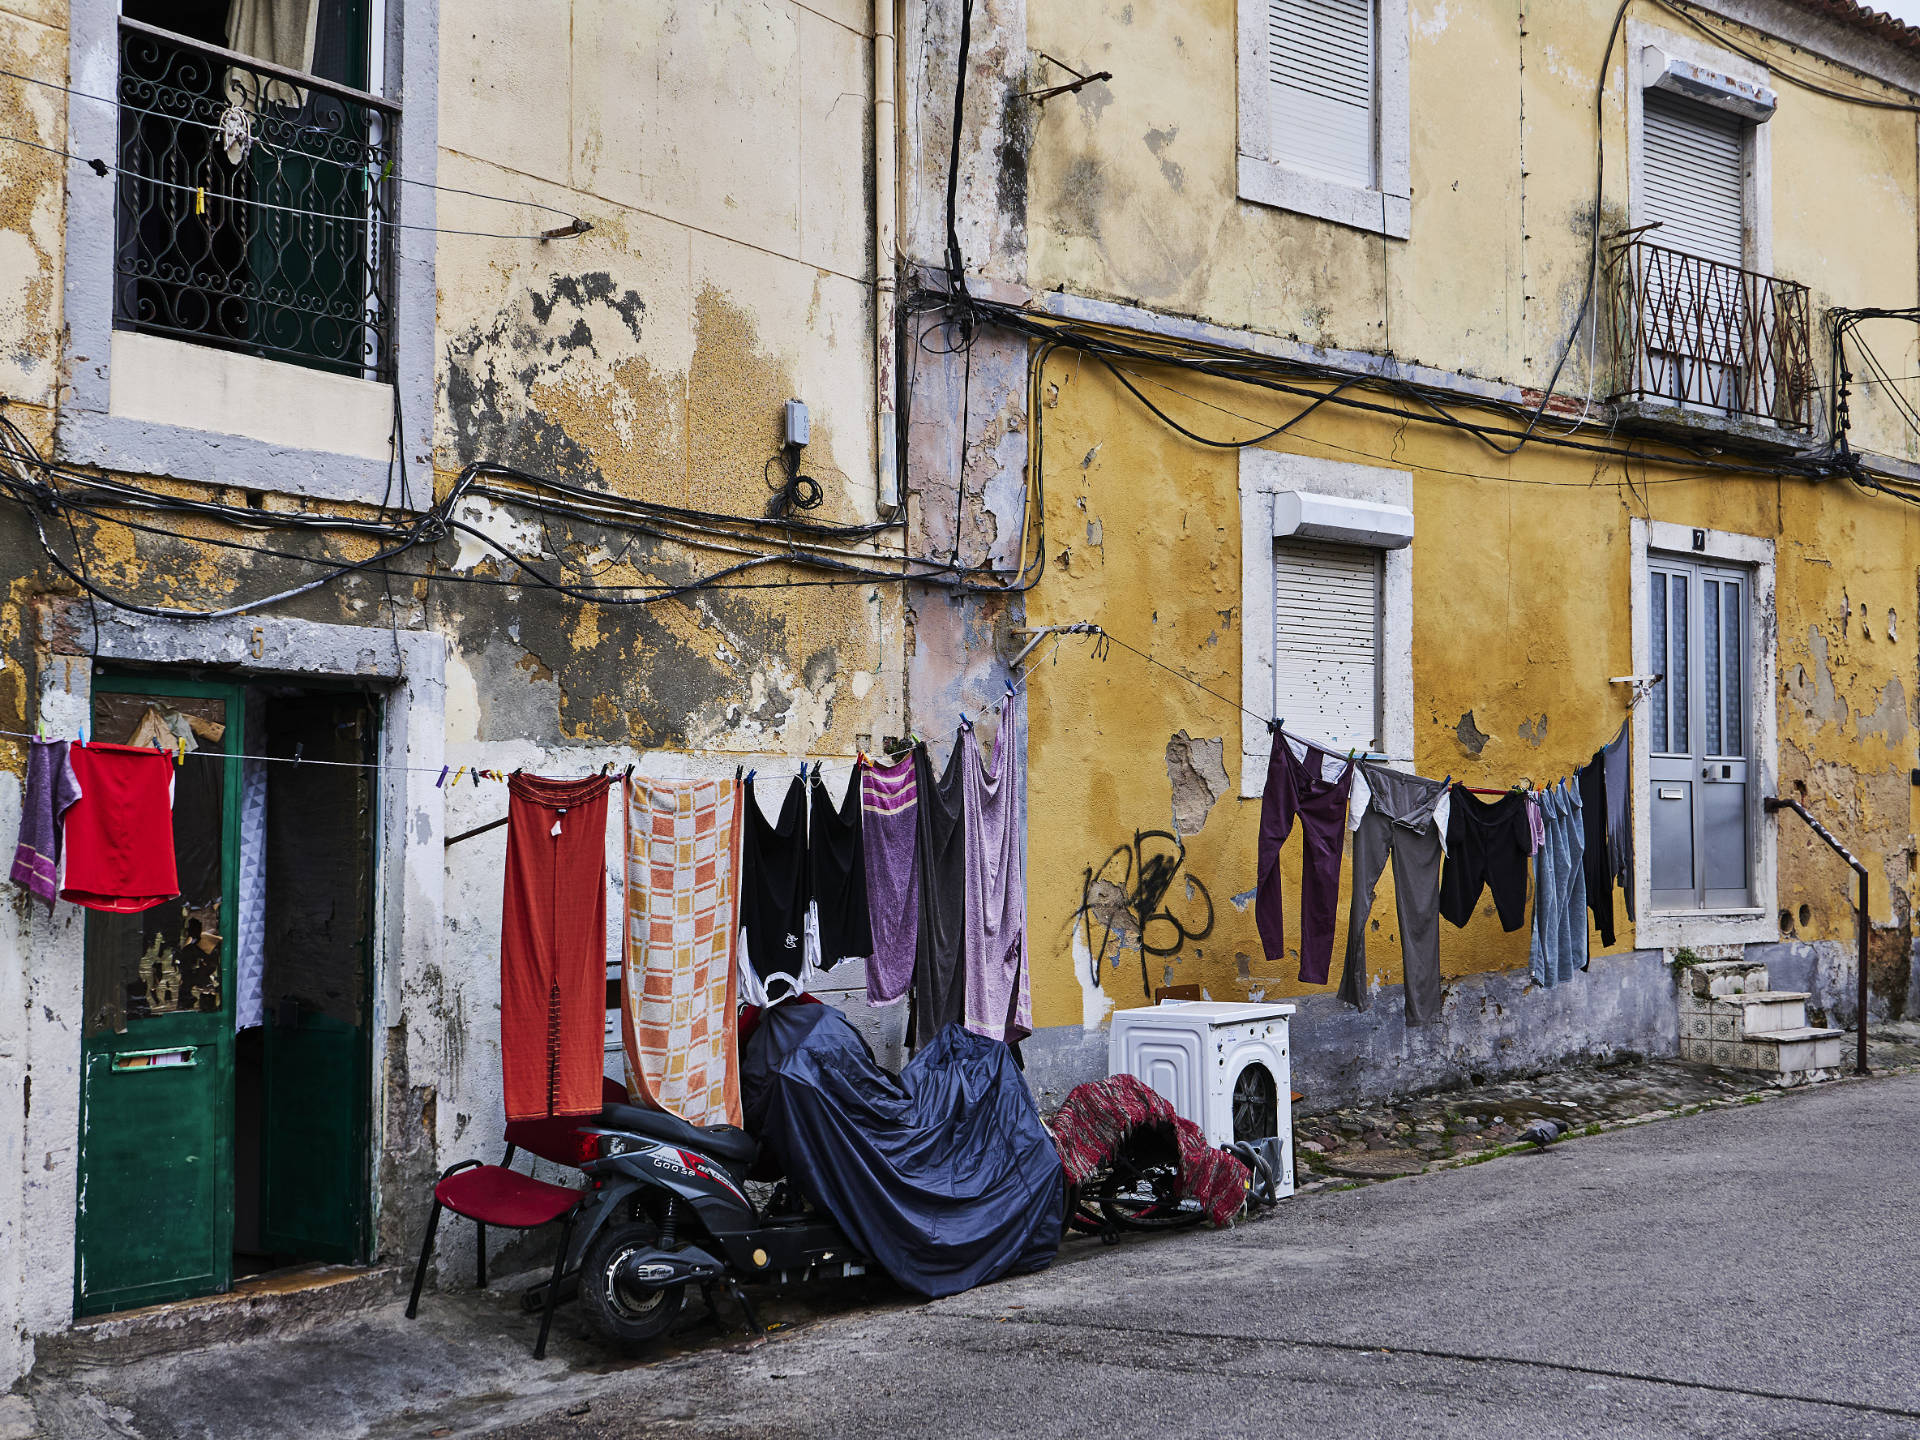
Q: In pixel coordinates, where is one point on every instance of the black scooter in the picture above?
(667, 1207)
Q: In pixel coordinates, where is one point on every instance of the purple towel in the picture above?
(999, 1004)
(889, 802)
(50, 793)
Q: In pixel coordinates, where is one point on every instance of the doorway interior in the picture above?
(226, 1095)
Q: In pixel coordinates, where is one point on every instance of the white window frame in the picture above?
(1757, 188)
(1383, 209)
(152, 405)
(1263, 475)
(1758, 923)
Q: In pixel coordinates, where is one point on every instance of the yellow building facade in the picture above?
(1377, 320)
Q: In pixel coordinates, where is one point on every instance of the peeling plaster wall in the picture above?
(1521, 566)
(1133, 195)
(722, 151)
(1521, 604)
(966, 444)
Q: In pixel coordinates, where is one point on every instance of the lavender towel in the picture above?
(889, 820)
(999, 1003)
(50, 793)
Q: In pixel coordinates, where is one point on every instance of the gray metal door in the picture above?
(1700, 718)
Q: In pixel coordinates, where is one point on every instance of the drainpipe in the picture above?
(886, 204)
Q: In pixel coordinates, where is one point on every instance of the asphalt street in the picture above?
(1746, 1272)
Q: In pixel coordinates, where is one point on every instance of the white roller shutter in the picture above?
(1326, 641)
(1320, 57)
(1692, 169)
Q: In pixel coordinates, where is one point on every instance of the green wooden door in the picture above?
(156, 1097)
(319, 935)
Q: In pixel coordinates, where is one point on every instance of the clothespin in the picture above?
(476, 777)
(457, 774)
(443, 777)
(199, 199)
(43, 729)
(179, 752)
(299, 751)
(627, 779)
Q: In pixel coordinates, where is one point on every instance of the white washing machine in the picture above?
(1223, 1065)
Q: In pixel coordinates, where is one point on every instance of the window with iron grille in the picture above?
(256, 180)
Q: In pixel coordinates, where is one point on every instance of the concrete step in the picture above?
(1712, 979)
(280, 1303)
(1787, 1052)
(1766, 1011)
(1744, 1016)
(1800, 1047)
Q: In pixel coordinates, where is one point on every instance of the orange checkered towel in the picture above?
(683, 920)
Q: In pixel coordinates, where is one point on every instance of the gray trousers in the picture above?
(1399, 822)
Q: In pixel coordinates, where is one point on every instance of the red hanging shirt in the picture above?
(119, 833)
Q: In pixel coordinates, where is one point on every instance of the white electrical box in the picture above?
(798, 428)
(1223, 1065)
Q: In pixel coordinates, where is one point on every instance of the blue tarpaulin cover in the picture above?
(945, 1177)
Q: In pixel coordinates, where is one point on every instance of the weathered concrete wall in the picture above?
(722, 153)
(1521, 566)
(1132, 186)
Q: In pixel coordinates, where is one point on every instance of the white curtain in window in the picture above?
(280, 32)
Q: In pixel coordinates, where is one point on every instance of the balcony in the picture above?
(1701, 346)
(253, 206)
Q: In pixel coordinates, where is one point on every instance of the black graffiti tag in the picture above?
(1132, 883)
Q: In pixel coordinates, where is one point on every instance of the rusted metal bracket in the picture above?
(477, 830)
(1079, 82)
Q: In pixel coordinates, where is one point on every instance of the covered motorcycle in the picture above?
(945, 1176)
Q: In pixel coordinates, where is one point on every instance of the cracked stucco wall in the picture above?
(1521, 566)
(723, 155)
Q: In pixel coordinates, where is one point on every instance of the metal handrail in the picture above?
(1773, 804)
(264, 67)
(1704, 335)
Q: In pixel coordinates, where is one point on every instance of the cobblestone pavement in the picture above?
(1355, 1144)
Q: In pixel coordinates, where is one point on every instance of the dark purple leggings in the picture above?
(1299, 789)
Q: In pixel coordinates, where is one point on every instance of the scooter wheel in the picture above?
(620, 1310)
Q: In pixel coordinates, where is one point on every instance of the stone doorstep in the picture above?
(277, 1304)
(1781, 1052)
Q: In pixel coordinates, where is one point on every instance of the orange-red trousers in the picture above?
(553, 947)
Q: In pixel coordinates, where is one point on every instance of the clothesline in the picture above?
(455, 774)
(1274, 724)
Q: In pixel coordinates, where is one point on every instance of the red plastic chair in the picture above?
(501, 1195)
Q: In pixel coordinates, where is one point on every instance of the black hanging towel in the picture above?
(1591, 781)
(939, 966)
(838, 858)
(774, 896)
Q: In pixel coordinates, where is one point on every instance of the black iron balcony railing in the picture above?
(254, 206)
(1709, 337)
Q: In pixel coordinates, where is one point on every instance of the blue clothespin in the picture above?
(445, 770)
